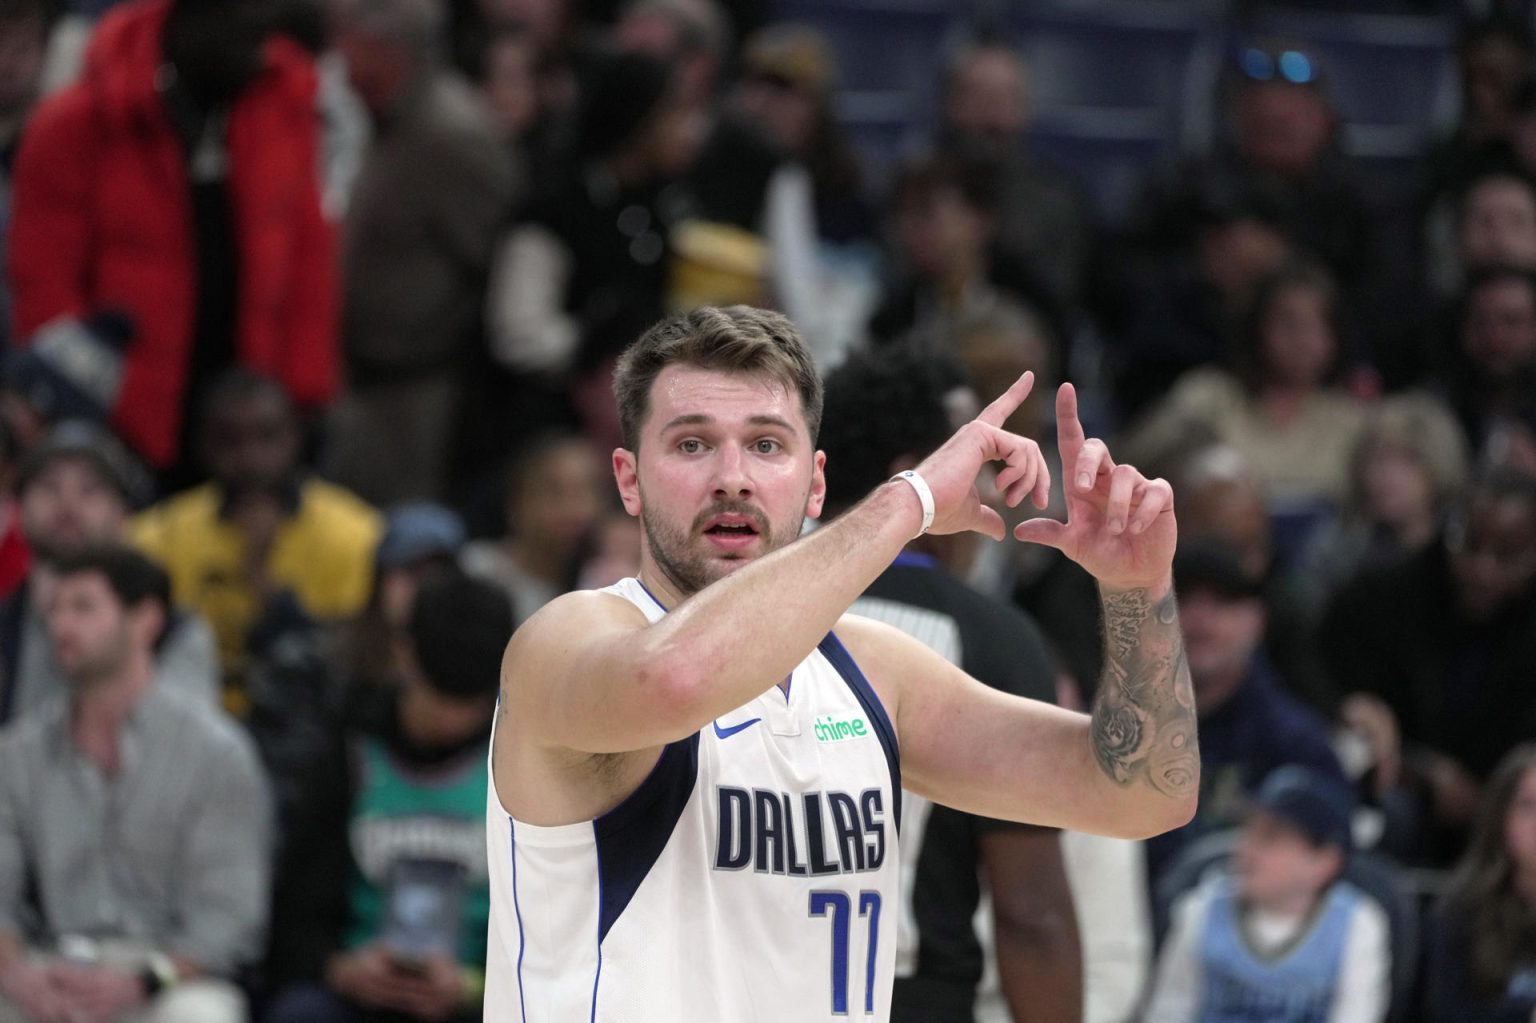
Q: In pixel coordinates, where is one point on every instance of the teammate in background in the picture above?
(670, 838)
(1280, 936)
(883, 413)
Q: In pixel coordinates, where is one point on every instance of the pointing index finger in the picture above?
(997, 413)
(1069, 429)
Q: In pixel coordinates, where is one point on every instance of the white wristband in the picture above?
(923, 494)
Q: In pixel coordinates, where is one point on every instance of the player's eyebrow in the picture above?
(699, 419)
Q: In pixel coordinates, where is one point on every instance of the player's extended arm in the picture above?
(587, 673)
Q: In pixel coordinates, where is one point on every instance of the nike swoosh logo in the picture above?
(726, 733)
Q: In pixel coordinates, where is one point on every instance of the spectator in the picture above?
(1494, 59)
(1481, 965)
(77, 489)
(786, 91)
(134, 826)
(946, 217)
(1249, 725)
(732, 165)
(435, 185)
(1278, 406)
(1280, 935)
(1407, 470)
(586, 267)
(24, 29)
(1490, 371)
(176, 182)
(506, 74)
(554, 499)
(261, 538)
(1437, 649)
(884, 414)
(421, 543)
(15, 555)
(1282, 144)
(1184, 305)
(1498, 221)
(1043, 216)
(398, 811)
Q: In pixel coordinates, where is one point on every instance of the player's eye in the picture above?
(690, 446)
(766, 446)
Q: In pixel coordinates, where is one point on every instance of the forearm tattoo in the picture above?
(1144, 717)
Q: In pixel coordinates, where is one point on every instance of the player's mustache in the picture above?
(759, 520)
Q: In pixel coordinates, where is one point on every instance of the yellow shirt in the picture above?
(323, 553)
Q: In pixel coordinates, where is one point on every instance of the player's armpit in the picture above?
(971, 747)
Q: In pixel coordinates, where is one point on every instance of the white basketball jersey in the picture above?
(752, 876)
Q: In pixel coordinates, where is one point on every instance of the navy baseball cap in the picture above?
(1316, 804)
(417, 531)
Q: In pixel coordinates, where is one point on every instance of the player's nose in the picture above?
(731, 477)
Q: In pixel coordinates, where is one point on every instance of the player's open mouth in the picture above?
(731, 532)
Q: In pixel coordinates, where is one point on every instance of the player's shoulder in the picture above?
(571, 619)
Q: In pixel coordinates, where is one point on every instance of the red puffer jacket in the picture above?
(102, 219)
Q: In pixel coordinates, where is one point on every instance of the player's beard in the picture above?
(682, 556)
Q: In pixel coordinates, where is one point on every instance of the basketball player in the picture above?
(695, 782)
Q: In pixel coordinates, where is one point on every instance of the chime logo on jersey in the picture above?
(799, 835)
(829, 729)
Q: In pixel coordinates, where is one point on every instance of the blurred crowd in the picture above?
(310, 313)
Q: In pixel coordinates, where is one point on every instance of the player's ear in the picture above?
(818, 494)
(626, 475)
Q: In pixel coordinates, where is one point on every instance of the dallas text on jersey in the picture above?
(843, 834)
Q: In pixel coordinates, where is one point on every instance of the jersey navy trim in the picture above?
(833, 650)
(630, 837)
(518, 909)
(598, 977)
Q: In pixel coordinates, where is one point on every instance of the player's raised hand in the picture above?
(951, 471)
(1120, 525)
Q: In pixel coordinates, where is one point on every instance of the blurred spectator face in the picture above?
(1237, 255)
(1283, 127)
(661, 33)
(1520, 826)
(216, 44)
(668, 143)
(544, 20)
(987, 96)
(1499, 333)
(23, 42)
(941, 232)
(1296, 338)
(1499, 224)
(1396, 485)
(1232, 509)
(1491, 69)
(782, 110)
(616, 554)
(93, 634)
(252, 443)
(511, 85)
(560, 498)
(1221, 634)
(1277, 866)
(70, 504)
(398, 588)
(1493, 553)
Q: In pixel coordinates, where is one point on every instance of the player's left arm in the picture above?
(1132, 769)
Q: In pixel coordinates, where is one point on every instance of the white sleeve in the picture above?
(789, 226)
(1365, 975)
(525, 315)
(1180, 975)
(1109, 886)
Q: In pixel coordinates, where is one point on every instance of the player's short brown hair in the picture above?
(734, 339)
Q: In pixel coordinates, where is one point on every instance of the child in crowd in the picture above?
(1279, 937)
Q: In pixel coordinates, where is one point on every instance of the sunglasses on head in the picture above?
(1288, 66)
